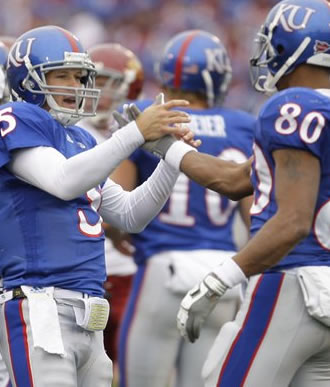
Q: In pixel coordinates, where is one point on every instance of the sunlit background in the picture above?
(144, 26)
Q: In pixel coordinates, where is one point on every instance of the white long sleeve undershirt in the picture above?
(49, 170)
(132, 211)
(67, 179)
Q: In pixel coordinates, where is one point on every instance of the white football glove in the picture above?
(197, 304)
(200, 301)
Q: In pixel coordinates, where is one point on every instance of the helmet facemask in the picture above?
(264, 53)
(262, 79)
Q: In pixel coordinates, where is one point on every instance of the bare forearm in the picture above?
(297, 177)
(225, 177)
(273, 242)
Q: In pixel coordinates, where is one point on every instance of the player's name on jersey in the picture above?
(208, 125)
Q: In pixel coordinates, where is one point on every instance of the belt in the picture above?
(17, 293)
(8, 295)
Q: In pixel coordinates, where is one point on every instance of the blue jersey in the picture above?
(295, 118)
(46, 241)
(194, 217)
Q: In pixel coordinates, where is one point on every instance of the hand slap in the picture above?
(158, 119)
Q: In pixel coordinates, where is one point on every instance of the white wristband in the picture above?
(230, 273)
(176, 152)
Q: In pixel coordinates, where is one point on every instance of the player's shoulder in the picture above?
(300, 98)
(25, 110)
(295, 118)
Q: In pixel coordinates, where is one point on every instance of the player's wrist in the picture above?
(129, 134)
(135, 132)
(160, 146)
(176, 152)
(230, 273)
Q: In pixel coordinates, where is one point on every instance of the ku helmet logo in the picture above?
(216, 60)
(15, 57)
(293, 17)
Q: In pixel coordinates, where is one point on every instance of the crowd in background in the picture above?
(145, 25)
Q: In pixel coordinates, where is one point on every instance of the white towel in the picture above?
(45, 325)
(315, 285)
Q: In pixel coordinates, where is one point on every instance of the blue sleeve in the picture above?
(25, 125)
(295, 118)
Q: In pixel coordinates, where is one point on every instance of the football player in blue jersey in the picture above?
(193, 232)
(281, 335)
(54, 193)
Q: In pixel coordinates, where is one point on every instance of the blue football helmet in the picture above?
(44, 49)
(295, 32)
(196, 61)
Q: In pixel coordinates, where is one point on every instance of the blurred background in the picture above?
(144, 26)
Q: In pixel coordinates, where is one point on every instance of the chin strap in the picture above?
(66, 119)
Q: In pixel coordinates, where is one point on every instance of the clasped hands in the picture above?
(159, 125)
